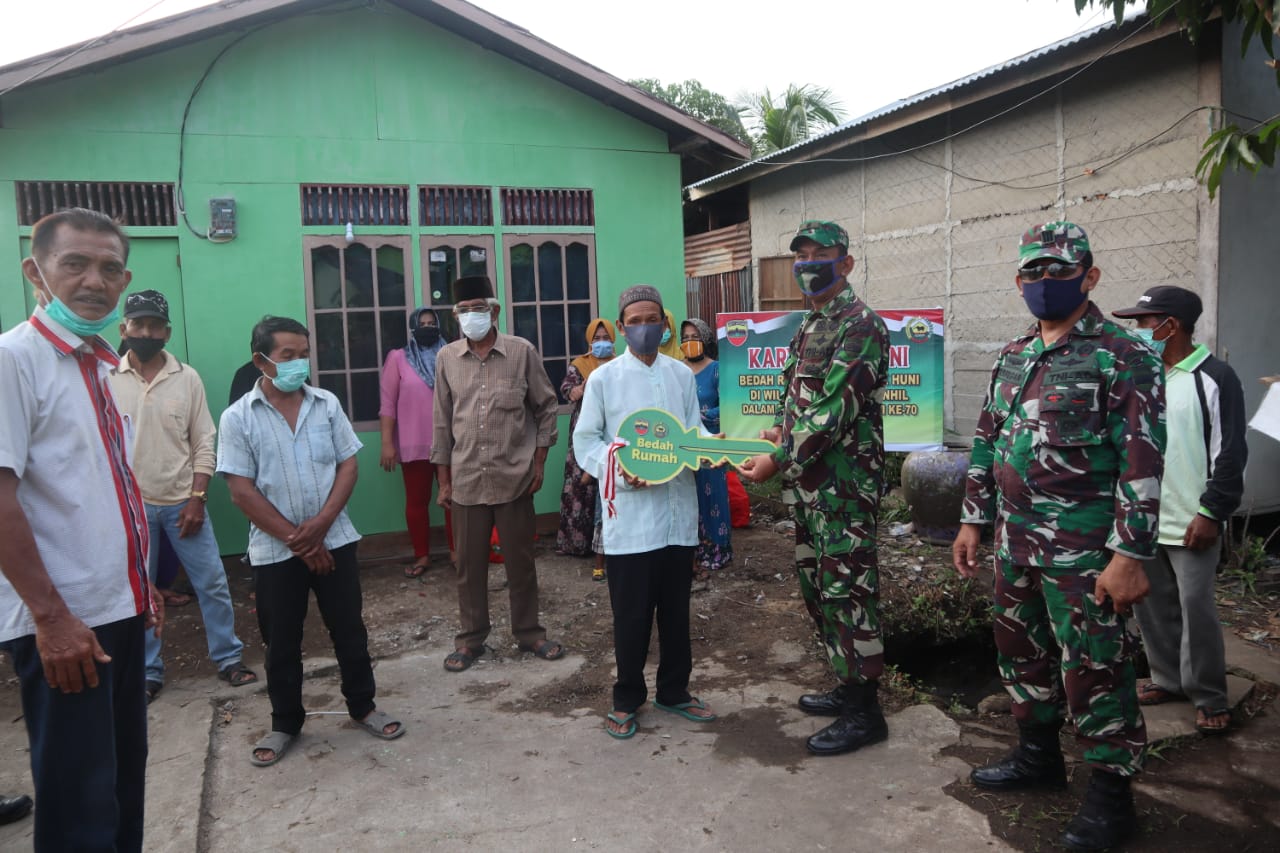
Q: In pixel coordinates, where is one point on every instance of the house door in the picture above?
(778, 291)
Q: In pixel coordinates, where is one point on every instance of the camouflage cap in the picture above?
(822, 232)
(1063, 241)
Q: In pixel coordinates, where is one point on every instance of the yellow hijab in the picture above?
(672, 347)
(587, 363)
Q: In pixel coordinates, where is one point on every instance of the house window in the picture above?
(551, 294)
(358, 310)
(126, 203)
(446, 259)
(358, 204)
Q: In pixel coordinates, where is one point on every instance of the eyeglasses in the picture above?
(472, 309)
(1053, 270)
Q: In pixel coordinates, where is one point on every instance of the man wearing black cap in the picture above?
(173, 459)
(494, 421)
(1203, 482)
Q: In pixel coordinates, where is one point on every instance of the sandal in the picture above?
(417, 570)
(545, 649)
(462, 659)
(1150, 693)
(174, 599)
(153, 690)
(376, 723)
(626, 721)
(1213, 722)
(598, 575)
(682, 709)
(237, 674)
(276, 742)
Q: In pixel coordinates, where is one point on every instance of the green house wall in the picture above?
(368, 96)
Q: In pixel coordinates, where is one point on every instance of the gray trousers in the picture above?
(1180, 626)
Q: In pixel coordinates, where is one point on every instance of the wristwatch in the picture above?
(203, 496)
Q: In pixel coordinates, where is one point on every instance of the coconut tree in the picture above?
(782, 121)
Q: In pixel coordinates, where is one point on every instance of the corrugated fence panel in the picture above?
(720, 251)
(709, 295)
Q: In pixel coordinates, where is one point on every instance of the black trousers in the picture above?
(88, 749)
(282, 591)
(639, 585)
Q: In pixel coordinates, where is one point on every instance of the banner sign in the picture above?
(754, 347)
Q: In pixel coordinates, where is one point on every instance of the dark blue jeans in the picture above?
(88, 749)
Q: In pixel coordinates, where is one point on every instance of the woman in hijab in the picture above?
(408, 390)
(713, 552)
(578, 498)
(671, 339)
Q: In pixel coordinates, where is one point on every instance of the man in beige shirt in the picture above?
(495, 419)
(173, 459)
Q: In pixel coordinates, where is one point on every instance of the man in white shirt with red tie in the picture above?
(74, 595)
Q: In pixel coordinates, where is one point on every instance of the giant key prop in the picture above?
(658, 447)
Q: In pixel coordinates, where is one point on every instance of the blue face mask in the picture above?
(1054, 298)
(645, 339)
(1149, 338)
(815, 278)
(291, 375)
(666, 336)
(602, 349)
(70, 320)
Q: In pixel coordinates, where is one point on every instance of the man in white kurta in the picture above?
(649, 530)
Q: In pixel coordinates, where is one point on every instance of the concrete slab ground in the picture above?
(478, 769)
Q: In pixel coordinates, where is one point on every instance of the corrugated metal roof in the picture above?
(1096, 33)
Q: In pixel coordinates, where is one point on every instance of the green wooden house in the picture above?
(341, 163)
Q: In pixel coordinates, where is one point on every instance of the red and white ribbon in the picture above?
(611, 477)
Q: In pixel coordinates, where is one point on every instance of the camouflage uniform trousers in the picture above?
(1039, 611)
(840, 584)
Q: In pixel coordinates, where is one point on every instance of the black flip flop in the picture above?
(464, 658)
(546, 649)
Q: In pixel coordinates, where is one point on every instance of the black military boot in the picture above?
(860, 724)
(1107, 817)
(1035, 762)
(823, 704)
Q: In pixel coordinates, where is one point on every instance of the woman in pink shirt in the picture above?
(408, 383)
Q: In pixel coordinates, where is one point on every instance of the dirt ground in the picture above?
(937, 646)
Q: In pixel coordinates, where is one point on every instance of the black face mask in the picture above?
(145, 348)
(426, 336)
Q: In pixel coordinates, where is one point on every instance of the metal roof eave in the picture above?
(1058, 57)
(689, 136)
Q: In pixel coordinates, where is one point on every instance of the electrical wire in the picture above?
(43, 71)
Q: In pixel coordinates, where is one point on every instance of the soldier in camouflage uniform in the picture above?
(830, 455)
(1067, 462)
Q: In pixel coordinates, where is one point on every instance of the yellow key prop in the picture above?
(658, 447)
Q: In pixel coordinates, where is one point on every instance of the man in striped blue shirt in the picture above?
(288, 454)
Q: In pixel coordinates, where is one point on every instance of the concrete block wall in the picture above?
(939, 226)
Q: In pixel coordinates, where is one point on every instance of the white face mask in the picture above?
(475, 325)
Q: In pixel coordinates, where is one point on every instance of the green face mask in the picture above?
(70, 320)
(1148, 337)
(290, 375)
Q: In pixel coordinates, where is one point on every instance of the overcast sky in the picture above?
(868, 52)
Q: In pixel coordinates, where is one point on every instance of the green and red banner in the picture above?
(754, 346)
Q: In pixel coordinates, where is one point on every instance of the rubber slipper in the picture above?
(379, 720)
(153, 690)
(628, 723)
(462, 659)
(417, 570)
(545, 649)
(683, 710)
(277, 742)
(1203, 716)
(237, 675)
(1150, 693)
(175, 599)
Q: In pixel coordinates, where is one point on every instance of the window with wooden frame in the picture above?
(551, 294)
(359, 296)
(446, 259)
